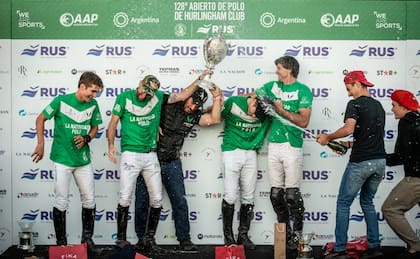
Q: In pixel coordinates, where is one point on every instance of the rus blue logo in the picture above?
(33, 215)
(307, 51)
(315, 175)
(245, 51)
(190, 174)
(44, 174)
(176, 50)
(373, 51)
(109, 174)
(315, 216)
(45, 51)
(110, 51)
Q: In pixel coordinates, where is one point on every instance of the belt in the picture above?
(151, 150)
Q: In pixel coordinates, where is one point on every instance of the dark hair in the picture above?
(289, 62)
(89, 78)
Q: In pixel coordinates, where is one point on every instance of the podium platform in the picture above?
(205, 252)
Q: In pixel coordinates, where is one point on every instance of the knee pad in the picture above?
(279, 204)
(295, 201)
(277, 197)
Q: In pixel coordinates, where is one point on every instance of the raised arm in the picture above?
(344, 131)
(188, 91)
(213, 116)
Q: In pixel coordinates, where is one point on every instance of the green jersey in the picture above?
(241, 130)
(139, 121)
(71, 118)
(294, 97)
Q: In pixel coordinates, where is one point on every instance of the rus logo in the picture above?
(176, 51)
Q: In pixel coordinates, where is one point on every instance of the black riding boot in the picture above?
(278, 200)
(227, 216)
(244, 224)
(296, 208)
(122, 218)
(88, 223)
(59, 218)
(152, 223)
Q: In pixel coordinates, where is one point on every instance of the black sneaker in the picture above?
(374, 252)
(187, 246)
(408, 255)
(337, 255)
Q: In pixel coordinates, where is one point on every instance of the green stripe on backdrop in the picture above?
(246, 19)
(5, 15)
(413, 20)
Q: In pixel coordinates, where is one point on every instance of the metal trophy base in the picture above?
(26, 242)
(303, 248)
(305, 254)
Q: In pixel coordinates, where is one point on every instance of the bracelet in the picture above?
(87, 138)
(217, 97)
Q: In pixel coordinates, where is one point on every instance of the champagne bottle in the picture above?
(334, 145)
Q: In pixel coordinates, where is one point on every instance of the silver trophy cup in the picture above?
(304, 249)
(214, 50)
(26, 237)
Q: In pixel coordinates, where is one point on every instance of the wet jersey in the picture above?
(294, 97)
(139, 121)
(71, 118)
(175, 124)
(241, 130)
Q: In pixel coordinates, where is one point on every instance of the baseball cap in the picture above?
(357, 76)
(199, 97)
(150, 84)
(406, 99)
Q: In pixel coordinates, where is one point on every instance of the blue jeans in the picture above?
(173, 180)
(364, 176)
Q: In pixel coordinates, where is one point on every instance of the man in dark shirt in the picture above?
(176, 122)
(406, 194)
(365, 119)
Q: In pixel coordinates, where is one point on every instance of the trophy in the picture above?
(26, 242)
(304, 249)
(214, 50)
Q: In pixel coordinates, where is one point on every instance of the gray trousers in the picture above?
(404, 196)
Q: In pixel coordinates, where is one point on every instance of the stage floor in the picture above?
(205, 252)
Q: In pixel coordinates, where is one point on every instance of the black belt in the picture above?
(151, 150)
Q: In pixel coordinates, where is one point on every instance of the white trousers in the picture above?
(240, 170)
(285, 165)
(83, 175)
(147, 164)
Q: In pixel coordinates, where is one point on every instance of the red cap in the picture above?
(356, 76)
(406, 99)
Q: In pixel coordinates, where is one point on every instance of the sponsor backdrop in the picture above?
(44, 48)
